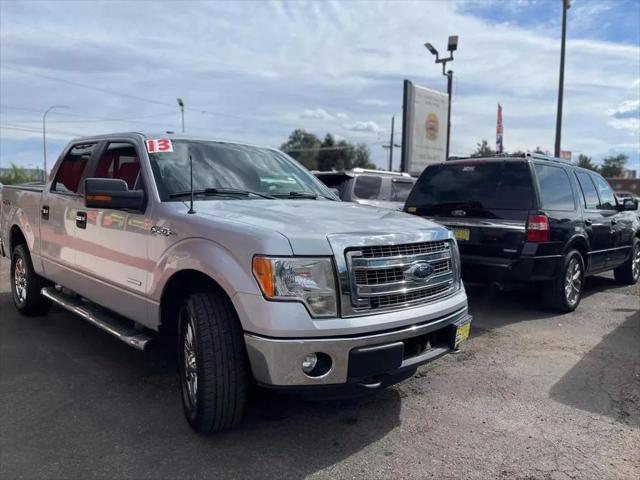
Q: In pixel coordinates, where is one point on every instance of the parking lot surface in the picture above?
(533, 395)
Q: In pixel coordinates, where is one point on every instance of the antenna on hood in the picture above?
(191, 210)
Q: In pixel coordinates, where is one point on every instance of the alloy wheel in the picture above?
(573, 282)
(190, 361)
(20, 280)
(635, 262)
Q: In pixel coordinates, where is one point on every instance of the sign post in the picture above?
(424, 128)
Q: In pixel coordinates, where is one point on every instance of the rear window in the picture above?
(367, 188)
(400, 190)
(555, 188)
(481, 185)
(339, 182)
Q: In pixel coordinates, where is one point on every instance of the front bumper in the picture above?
(357, 359)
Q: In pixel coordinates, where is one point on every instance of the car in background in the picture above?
(378, 188)
(532, 220)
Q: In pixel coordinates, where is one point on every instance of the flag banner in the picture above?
(565, 154)
(424, 128)
(499, 131)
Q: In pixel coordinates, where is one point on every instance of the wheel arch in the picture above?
(16, 237)
(580, 244)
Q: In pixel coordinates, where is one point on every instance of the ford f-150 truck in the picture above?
(256, 268)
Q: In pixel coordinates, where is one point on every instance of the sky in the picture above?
(254, 71)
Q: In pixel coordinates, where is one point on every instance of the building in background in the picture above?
(625, 185)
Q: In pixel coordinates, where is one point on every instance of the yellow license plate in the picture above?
(461, 233)
(462, 334)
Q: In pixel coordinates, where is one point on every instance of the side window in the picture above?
(607, 198)
(120, 160)
(70, 171)
(589, 192)
(555, 188)
(400, 190)
(367, 188)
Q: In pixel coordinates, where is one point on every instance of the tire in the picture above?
(212, 363)
(26, 284)
(564, 293)
(629, 272)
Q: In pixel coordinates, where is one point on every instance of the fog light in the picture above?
(309, 362)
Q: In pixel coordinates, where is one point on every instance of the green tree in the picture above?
(483, 149)
(15, 175)
(328, 155)
(584, 161)
(304, 147)
(613, 166)
(362, 157)
(539, 150)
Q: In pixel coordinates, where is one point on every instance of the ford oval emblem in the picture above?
(458, 213)
(422, 270)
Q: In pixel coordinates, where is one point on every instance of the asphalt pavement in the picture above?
(533, 395)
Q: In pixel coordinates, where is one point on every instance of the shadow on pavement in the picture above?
(606, 380)
(81, 402)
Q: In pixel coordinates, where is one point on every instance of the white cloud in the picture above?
(626, 107)
(318, 113)
(369, 126)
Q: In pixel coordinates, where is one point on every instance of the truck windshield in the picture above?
(473, 185)
(218, 165)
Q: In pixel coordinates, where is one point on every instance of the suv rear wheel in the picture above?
(212, 363)
(629, 272)
(565, 292)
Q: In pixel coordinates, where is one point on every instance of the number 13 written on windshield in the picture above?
(160, 145)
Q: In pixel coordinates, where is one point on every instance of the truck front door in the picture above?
(114, 253)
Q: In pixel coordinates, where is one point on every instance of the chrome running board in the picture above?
(98, 316)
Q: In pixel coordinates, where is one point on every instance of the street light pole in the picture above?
(391, 144)
(452, 46)
(44, 137)
(565, 6)
(181, 103)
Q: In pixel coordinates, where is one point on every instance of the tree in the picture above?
(15, 175)
(362, 158)
(585, 162)
(483, 150)
(613, 166)
(303, 146)
(539, 150)
(328, 155)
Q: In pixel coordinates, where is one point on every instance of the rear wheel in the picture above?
(565, 292)
(629, 272)
(26, 284)
(212, 363)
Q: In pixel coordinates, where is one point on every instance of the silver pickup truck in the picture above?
(240, 254)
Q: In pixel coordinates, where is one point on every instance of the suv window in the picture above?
(555, 188)
(475, 186)
(70, 171)
(400, 190)
(367, 187)
(120, 160)
(607, 198)
(589, 192)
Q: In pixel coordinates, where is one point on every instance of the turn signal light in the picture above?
(538, 228)
(263, 271)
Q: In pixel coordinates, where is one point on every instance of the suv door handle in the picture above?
(588, 222)
(44, 212)
(81, 219)
(613, 221)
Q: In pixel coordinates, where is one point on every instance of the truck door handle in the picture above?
(588, 222)
(613, 221)
(44, 212)
(81, 219)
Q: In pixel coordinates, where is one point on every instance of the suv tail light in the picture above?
(537, 228)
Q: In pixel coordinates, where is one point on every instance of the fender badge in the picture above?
(158, 230)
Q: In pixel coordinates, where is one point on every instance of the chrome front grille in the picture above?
(397, 276)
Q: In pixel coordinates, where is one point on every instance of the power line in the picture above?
(101, 119)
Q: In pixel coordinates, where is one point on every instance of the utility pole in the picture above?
(181, 104)
(44, 137)
(565, 6)
(391, 144)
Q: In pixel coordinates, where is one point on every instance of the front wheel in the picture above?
(629, 272)
(26, 284)
(565, 292)
(212, 363)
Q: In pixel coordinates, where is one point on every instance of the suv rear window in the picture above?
(555, 188)
(475, 185)
(367, 187)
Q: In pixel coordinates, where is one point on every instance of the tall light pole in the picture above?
(44, 136)
(565, 6)
(181, 103)
(391, 144)
(452, 46)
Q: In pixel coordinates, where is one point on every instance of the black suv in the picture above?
(531, 218)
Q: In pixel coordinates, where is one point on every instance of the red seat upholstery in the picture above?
(70, 173)
(129, 173)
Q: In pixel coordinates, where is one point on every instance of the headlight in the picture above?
(308, 280)
(457, 264)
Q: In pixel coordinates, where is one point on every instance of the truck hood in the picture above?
(307, 224)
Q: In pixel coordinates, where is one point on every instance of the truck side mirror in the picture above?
(111, 193)
(629, 204)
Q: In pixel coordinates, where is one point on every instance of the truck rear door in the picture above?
(484, 202)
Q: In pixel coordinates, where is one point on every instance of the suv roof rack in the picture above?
(383, 172)
(532, 155)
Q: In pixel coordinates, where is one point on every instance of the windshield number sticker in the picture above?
(468, 169)
(160, 145)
